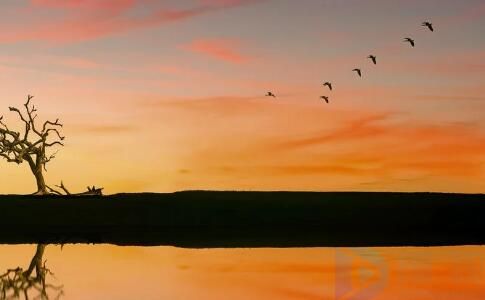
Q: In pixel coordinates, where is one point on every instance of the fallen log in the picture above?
(92, 191)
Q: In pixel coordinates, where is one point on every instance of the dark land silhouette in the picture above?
(247, 219)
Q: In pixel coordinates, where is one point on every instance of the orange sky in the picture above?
(170, 96)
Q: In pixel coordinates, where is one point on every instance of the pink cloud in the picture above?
(79, 20)
(85, 4)
(35, 62)
(78, 63)
(227, 2)
(221, 49)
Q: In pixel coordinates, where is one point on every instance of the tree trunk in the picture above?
(36, 168)
(36, 262)
(39, 177)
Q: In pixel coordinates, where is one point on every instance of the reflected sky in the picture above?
(112, 272)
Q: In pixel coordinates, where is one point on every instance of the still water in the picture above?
(113, 272)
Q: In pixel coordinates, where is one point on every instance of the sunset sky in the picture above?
(169, 95)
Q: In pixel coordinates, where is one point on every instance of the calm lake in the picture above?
(113, 272)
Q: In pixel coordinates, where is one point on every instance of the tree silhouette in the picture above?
(17, 283)
(31, 145)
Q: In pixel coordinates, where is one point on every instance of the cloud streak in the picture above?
(78, 20)
(377, 147)
(103, 129)
(221, 49)
(365, 127)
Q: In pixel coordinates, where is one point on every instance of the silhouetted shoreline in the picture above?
(204, 219)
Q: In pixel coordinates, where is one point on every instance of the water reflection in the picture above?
(113, 272)
(31, 283)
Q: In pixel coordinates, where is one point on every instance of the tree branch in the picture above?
(56, 123)
(29, 114)
(56, 131)
(53, 190)
(53, 143)
(61, 186)
(9, 159)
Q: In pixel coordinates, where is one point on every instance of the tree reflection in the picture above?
(19, 284)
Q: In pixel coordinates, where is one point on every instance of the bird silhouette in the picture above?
(324, 98)
(429, 25)
(270, 94)
(328, 84)
(373, 58)
(358, 72)
(410, 41)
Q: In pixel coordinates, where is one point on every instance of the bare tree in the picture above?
(32, 144)
(17, 283)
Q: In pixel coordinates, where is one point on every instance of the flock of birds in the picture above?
(358, 71)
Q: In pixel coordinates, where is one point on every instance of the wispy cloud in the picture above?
(297, 170)
(377, 147)
(365, 127)
(450, 97)
(106, 5)
(48, 63)
(76, 20)
(102, 129)
(221, 49)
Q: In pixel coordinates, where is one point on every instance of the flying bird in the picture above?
(324, 98)
(373, 58)
(429, 25)
(328, 84)
(358, 72)
(409, 40)
(270, 94)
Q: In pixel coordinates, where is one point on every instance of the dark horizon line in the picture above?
(253, 191)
